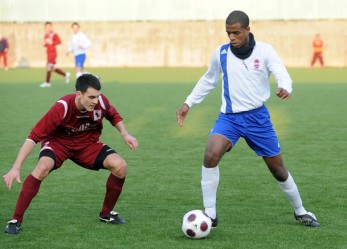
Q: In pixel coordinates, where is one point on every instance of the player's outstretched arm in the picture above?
(181, 114)
(282, 93)
(14, 172)
(129, 139)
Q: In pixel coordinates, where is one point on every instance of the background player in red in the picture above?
(50, 41)
(71, 130)
(3, 50)
(317, 46)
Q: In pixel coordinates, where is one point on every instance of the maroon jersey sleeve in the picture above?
(56, 39)
(112, 114)
(48, 123)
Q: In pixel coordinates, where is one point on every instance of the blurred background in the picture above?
(171, 33)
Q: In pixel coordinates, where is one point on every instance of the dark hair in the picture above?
(87, 80)
(238, 16)
(48, 23)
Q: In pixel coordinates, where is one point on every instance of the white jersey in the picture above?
(245, 82)
(79, 43)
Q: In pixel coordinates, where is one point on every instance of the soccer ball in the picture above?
(196, 224)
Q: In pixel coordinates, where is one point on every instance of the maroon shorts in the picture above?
(51, 58)
(84, 155)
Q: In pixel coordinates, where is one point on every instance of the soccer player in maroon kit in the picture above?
(3, 50)
(71, 130)
(50, 41)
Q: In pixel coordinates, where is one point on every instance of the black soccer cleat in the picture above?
(13, 227)
(308, 219)
(112, 218)
(214, 222)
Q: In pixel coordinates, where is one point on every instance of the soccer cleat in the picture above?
(67, 77)
(214, 222)
(112, 218)
(45, 84)
(308, 219)
(13, 227)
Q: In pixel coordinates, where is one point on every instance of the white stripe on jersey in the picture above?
(28, 139)
(102, 103)
(65, 106)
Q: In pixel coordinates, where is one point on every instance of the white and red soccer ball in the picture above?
(196, 224)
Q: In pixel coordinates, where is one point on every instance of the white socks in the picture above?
(290, 189)
(209, 185)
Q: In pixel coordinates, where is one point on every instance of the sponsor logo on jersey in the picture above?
(84, 116)
(97, 114)
(82, 127)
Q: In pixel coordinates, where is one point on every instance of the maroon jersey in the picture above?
(51, 48)
(70, 126)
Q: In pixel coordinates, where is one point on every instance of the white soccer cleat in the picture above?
(45, 84)
(308, 219)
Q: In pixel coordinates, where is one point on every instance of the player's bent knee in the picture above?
(211, 158)
(116, 165)
(123, 169)
(120, 169)
(43, 168)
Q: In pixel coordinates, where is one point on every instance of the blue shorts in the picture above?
(254, 126)
(79, 60)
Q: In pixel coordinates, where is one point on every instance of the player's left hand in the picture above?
(131, 141)
(282, 93)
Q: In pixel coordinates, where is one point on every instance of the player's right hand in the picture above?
(10, 176)
(181, 114)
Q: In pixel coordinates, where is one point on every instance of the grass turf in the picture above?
(163, 179)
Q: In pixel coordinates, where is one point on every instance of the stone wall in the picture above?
(173, 44)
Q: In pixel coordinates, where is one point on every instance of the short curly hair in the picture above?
(238, 16)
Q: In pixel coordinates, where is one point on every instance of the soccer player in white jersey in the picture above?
(245, 65)
(79, 43)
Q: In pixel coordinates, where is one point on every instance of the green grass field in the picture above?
(163, 180)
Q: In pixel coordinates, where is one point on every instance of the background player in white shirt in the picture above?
(246, 66)
(79, 43)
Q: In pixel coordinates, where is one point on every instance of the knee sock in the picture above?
(209, 186)
(114, 187)
(290, 189)
(29, 190)
(59, 71)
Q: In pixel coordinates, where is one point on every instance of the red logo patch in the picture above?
(256, 64)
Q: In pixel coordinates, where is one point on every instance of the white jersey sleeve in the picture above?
(278, 69)
(207, 82)
(85, 42)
